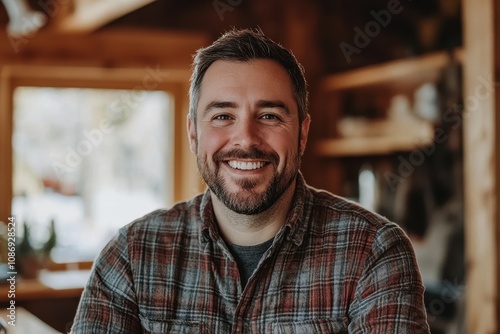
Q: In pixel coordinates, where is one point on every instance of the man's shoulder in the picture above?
(343, 213)
(327, 201)
(343, 219)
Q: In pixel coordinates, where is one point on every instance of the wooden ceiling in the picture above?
(421, 26)
(418, 27)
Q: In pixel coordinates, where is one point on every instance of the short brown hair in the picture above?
(245, 45)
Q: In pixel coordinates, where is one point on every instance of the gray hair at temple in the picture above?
(245, 45)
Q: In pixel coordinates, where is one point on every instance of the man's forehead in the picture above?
(230, 65)
(265, 73)
(256, 79)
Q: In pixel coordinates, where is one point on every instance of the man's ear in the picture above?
(304, 132)
(191, 130)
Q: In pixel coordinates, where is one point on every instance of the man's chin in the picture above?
(242, 200)
(245, 206)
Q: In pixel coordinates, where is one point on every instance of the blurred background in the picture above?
(93, 100)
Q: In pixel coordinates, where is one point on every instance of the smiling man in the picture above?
(259, 251)
(248, 139)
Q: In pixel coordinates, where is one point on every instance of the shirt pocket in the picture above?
(172, 326)
(319, 326)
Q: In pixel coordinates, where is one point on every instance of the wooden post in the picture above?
(481, 152)
(5, 149)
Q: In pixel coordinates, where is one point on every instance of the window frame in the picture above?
(173, 81)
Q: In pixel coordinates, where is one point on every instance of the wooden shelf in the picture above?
(399, 75)
(412, 71)
(378, 138)
(366, 146)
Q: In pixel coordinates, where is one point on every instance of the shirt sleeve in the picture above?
(108, 303)
(389, 295)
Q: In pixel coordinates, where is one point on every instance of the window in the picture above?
(92, 160)
(91, 149)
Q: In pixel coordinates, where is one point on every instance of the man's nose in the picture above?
(247, 133)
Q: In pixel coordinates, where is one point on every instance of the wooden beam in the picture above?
(90, 15)
(481, 168)
(108, 48)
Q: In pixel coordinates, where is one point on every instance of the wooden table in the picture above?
(26, 323)
(57, 284)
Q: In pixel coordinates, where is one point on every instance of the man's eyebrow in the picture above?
(219, 105)
(259, 105)
(273, 104)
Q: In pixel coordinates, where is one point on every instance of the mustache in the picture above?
(253, 153)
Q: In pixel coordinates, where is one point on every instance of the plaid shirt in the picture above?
(332, 268)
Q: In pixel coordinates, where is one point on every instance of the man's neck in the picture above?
(248, 230)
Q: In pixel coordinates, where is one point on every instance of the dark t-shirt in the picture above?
(248, 257)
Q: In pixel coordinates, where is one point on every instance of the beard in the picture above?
(247, 200)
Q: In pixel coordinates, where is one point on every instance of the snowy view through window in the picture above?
(91, 160)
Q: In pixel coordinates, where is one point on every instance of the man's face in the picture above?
(247, 137)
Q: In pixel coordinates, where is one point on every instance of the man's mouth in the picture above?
(246, 165)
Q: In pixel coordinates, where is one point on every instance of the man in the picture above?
(259, 251)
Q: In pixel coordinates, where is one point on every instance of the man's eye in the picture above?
(270, 117)
(222, 117)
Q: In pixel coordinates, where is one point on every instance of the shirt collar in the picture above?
(209, 229)
(298, 217)
(296, 222)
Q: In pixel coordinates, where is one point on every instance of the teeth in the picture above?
(246, 165)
